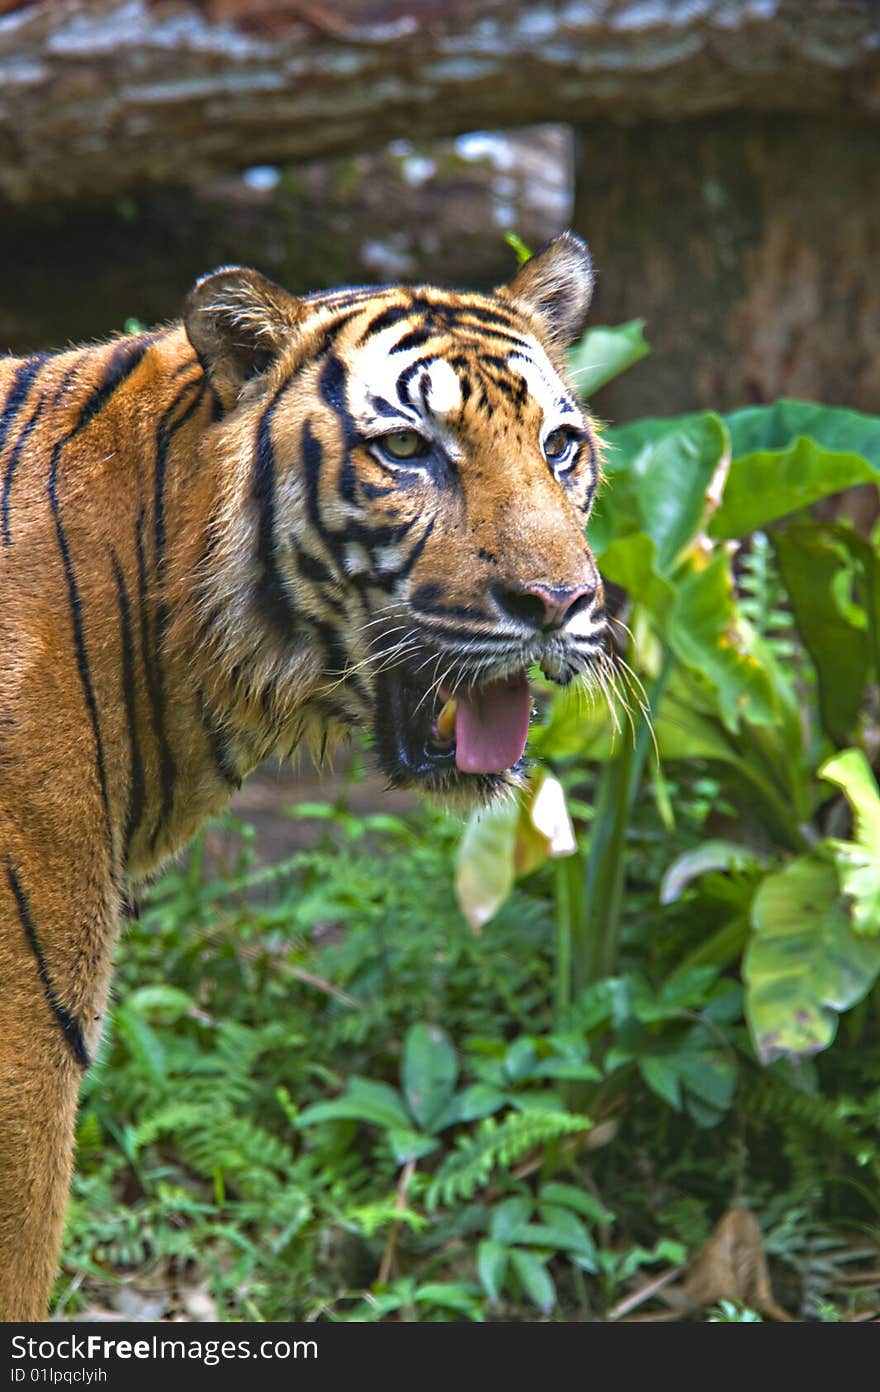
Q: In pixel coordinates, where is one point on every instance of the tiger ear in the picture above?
(238, 321)
(557, 285)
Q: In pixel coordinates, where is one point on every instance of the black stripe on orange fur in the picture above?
(274, 600)
(76, 617)
(124, 360)
(18, 392)
(137, 785)
(70, 1027)
(11, 468)
(165, 432)
(221, 749)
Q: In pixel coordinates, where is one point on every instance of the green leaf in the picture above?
(145, 1045)
(863, 578)
(858, 861)
(509, 1219)
(478, 1100)
(810, 559)
(662, 1077)
(534, 1278)
(484, 868)
(631, 562)
(708, 1075)
(495, 1143)
(167, 1003)
(683, 732)
(410, 1145)
(450, 1295)
(492, 1268)
(576, 722)
(520, 1059)
(851, 772)
(768, 480)
(804, 964)
(518, 247)
(775, 427)
(583, 1202)
(374, 1103)
(603, 353)
(708, 632)
(659, 476)
(570, 1069)
(710, 855)
(567, 1233)
(428, 1074)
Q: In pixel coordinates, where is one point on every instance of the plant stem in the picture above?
(564, 934)
(597, 932)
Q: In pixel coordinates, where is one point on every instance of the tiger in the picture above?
(274, 523)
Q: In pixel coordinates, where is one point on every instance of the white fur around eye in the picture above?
(543, 382)
(444, 389)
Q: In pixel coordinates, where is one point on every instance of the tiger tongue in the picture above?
(491, 725)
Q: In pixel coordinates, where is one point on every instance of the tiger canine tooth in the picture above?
(445, 725)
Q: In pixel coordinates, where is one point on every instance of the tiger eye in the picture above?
(404, 444)
(557, 443)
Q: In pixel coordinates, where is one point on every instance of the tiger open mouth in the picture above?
(472, 738)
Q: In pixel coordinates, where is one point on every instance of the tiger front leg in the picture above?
(53, 985)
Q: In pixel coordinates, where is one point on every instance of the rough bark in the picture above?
(97, 96)
(750, 244)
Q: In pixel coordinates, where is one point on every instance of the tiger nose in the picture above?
(543, 607)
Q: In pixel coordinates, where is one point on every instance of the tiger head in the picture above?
(412, 529)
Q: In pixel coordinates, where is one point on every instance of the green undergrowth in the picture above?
(323, 1095)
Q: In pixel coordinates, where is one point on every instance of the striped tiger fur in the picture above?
(278, 521)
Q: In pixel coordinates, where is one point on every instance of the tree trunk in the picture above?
(750, 244)
(99, 96)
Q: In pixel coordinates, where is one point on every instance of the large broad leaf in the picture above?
(810, 559)
(684, 732)
(603, 353)
(858, 860)
(484, 866)
(775, 427)
(770, 483)
(660, 474)
(576, 722)
(708, 632)
(804, 963)
(787, 455)
(864, 579)
(784, 457)
(428, 1073)
(545, 830)
(509, 839)
(632, 562)
(851, 772)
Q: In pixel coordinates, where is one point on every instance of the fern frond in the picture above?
(497, 1144)
(813, 1115)
(762, 597)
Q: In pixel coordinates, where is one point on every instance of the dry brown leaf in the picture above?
(731, 1265)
